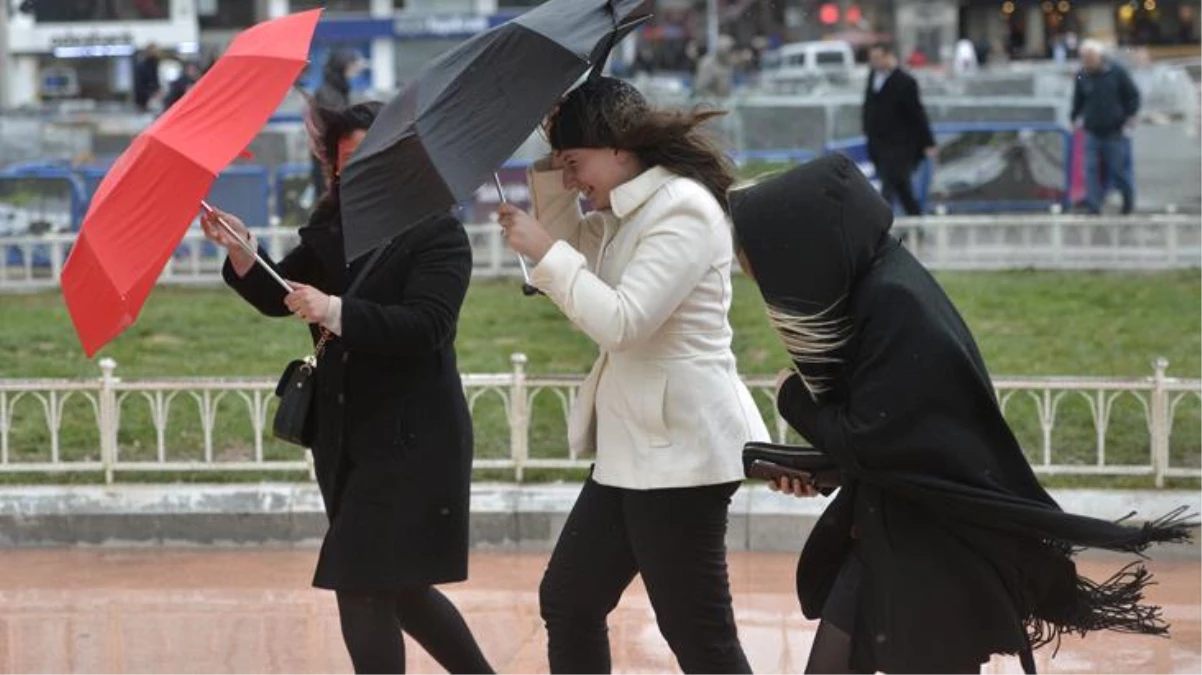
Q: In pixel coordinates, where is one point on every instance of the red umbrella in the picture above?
(149, 198)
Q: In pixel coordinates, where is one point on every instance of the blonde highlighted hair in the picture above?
(811, 339)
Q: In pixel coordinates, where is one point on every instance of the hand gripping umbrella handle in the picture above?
(245, 245)
(527, 287)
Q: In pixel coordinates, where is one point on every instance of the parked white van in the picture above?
(830, 60)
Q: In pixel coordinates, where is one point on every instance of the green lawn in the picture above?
(1027, 323)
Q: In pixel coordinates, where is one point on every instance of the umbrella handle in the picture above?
(245, 245)
(527, 287)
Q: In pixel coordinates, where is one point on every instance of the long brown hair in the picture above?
(608, 113)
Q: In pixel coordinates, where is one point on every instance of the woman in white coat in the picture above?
(647, 277)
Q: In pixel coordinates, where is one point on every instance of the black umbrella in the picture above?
(467, 112)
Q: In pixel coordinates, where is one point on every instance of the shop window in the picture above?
(225, 13)
(332, 5)
(77, 11)
(1157, 22)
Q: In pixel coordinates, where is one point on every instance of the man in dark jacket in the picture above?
(146, 78)
(896, 126)
(182, 84)
(1105, 102)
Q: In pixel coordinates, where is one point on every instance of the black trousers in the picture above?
(674, 538)
(895, 170)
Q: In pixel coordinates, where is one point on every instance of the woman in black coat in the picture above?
(941, 548)
(393, 436)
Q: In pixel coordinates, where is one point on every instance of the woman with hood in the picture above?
(941, 548)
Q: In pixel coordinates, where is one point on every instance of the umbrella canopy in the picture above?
(467, 112)
(148, 199)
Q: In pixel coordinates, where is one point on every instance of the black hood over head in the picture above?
(808, 235)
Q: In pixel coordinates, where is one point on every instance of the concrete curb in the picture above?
(504, 516)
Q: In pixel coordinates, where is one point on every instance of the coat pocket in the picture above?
(649, 398)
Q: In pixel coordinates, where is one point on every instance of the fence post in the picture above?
(1161, 424)
(108, 418)
(942, 242)
(519, 417)
(1170, 237)
(1057, 234)
(56, 258)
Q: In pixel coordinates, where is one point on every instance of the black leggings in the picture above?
(372, 625)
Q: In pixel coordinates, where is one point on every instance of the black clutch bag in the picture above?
(294, 417)
(770, 461)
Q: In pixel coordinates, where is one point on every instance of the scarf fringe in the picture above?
(1174, 527)
(1114, 604)
(1117, 603)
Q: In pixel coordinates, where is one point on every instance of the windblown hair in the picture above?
(325, 127)
(609, 113)
(811, 339)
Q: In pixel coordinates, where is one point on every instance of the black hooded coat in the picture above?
(964, 554)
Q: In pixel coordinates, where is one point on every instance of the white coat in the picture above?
(649, 282)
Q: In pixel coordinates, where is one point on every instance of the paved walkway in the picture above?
(252, 611)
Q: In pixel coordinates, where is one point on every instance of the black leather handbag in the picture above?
(770, 461)
(294, 418)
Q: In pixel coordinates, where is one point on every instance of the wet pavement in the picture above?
(252, 611)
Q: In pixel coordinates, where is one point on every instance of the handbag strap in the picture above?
(326, 335)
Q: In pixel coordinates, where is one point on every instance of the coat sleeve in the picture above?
(558, 210)
(1128, 96)
(668, 262)
(1078, 100)
(864, 108)
(881, 384)
(425, 318)
(917, 114)
(264, 293)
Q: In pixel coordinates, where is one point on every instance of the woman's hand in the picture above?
(307, 303)
(221, 236)
(523, 233)
(239, 258)
(793, 486)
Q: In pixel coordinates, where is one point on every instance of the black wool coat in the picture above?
(894, 121)
(393, 448)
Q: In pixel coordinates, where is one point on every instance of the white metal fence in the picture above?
(1049, 241)
(61, 426)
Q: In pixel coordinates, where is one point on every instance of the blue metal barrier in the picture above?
(44, 173)
(51, 172)
(243, 189)
(856, 148)
(795, 155)
(292, 180)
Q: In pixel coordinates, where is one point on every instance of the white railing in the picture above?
(1050, 241)
(60, 426)
(1055, 241)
